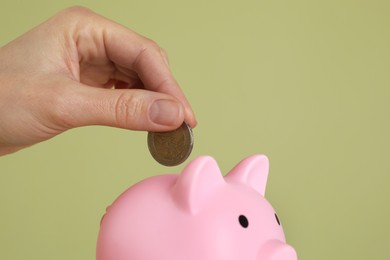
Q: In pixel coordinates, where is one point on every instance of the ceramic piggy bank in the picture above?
(196, 215)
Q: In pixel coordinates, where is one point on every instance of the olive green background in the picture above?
(304, 82)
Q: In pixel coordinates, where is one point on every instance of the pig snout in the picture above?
(277, 250)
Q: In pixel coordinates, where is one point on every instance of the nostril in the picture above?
(277, 250)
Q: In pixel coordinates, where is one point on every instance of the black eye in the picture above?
(277, 219)
(243, 221)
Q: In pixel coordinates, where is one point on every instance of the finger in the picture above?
(126, 49)
(156, 75)
(134, 109)
(131, 50)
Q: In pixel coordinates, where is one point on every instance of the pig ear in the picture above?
(197, 182)
(252, 171)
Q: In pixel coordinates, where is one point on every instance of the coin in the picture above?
(173, 147)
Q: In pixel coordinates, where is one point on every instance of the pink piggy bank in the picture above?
(196, 215)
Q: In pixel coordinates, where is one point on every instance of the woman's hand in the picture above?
(79, 68)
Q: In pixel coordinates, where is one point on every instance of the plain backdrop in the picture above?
(305, 82)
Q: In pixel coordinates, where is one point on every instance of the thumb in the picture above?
(134, 109)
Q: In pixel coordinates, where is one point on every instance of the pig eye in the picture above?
(243, 221)
(277, 219)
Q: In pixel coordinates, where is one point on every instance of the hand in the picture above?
(79, 69)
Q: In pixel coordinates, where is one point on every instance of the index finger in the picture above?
(131, 50)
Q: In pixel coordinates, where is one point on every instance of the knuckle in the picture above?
(77, 10)
(164, 52)
(150, 50)
(164, 55)
(129, 108)
(151, 44)
(152, 47)
(71, 15)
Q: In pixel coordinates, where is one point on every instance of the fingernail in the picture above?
(165, 112)
(193, 122)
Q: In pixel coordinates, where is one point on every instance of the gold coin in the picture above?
(173, 147)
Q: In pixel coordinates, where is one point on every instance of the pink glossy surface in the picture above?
(195, 216)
